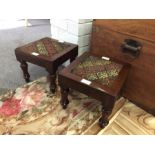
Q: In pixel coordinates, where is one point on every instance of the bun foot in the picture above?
(103, 123)
(64, 104)
(27, 80)
(52, 90)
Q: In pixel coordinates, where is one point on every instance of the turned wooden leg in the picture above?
(64, 97)
(52, 83)
(107, 108)
(24, 68)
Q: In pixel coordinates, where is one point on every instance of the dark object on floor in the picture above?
(101, 78)
(47, 53)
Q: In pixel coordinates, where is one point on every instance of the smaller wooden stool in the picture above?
(101, 78)
(48, 53)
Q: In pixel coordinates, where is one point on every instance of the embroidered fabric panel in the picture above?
(41, 49)
(46, 46)
(98, 70)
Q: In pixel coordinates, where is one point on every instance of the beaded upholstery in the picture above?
(98, 70)
(46, 47)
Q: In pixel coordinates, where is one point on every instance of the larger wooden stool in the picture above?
(48, 53)
(101, 78)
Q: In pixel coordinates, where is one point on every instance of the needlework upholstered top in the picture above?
(97, 69)
(46, 47)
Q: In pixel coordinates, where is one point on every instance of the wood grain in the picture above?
(107, 38)
(132, 120)
(140, 28)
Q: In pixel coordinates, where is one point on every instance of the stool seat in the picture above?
(101, 78)
(46, 47)
(98, 69)
(48, 53)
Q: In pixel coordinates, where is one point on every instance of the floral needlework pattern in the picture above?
(98, 70)
(32, 109)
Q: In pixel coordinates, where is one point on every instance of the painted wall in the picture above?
(77, 31)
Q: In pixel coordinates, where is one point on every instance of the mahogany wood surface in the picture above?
(107, 95)
(140, 28)
(50, 62)
(107, 38)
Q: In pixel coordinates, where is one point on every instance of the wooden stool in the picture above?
(98, 77)
(48, 53)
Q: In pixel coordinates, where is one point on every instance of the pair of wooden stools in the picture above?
(99, 77)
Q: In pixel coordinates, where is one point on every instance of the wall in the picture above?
(77, 31)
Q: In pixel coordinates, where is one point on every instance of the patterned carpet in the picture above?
(131, 120)
(33, 110)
